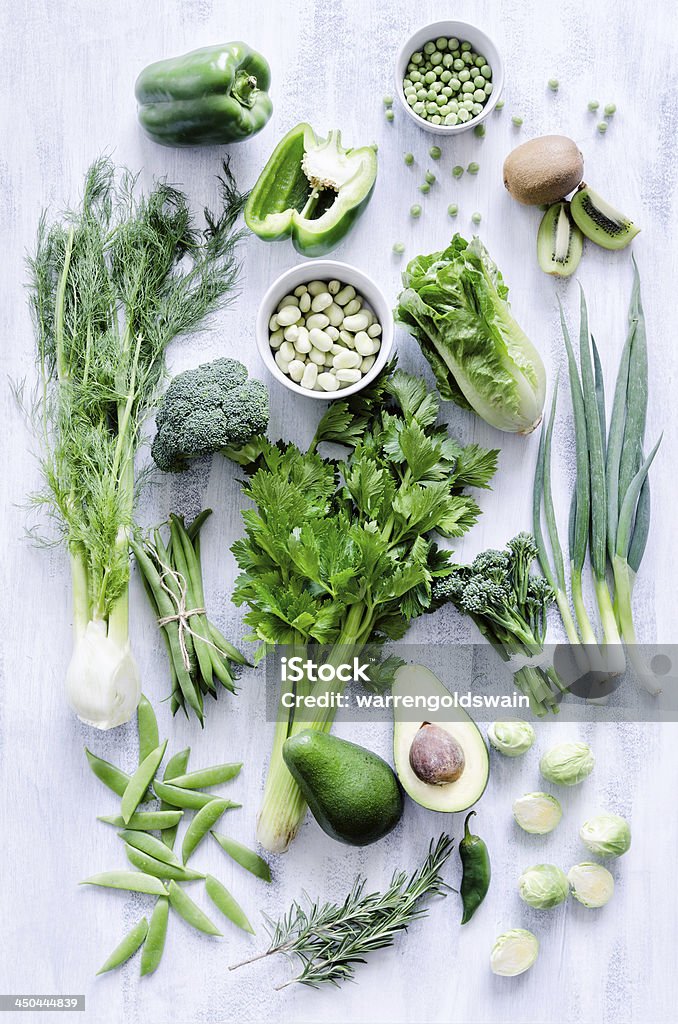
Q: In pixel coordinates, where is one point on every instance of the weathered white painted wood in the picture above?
(66, 74)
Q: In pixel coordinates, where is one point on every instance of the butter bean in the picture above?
(374, 331)
(329, 360)
(335, 314)
(357, 322)
(300, 290)
(310, 376)
(282, 362)
(305, 302)
(316, 287)
(332, 332)
(328, 382)
(296, 370)
(273, 323)
(346, 360)
(288, 300)
(346, 338)
(317, 357)
(291, 333)
(363, 344)
(287, 350)
(288, 315)
(276, 339)
(334, 287)
(352, 307)
(303, 344)
(367, 364)
(348, 376)
(321, 302)
(345, 295)
(320, 340)
(317, 320)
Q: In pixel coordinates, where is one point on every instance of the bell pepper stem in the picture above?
(245, 88)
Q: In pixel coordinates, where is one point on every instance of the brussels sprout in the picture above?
(543, 886)
(592, 884)
(606, 835)
(567, 763)
(511, 738)
(537, 813)
(514, 953)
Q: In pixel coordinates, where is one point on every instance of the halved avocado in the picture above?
(413, 681)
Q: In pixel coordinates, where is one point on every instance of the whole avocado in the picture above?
(352, 793)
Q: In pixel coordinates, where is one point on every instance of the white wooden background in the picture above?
(67, 72)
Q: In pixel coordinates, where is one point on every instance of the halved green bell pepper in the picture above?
(208, 97)
(312, 190)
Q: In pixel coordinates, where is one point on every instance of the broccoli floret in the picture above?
(208, 409)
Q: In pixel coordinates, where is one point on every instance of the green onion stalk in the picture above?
(107, 297)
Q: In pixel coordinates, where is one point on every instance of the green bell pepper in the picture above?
(208, 97)
(312, 190)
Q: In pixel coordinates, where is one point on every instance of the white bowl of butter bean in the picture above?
(324, 329)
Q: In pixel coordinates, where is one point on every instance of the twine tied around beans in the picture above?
(182, 615)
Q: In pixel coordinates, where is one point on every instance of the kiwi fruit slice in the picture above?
(599, 221)
(559, 241)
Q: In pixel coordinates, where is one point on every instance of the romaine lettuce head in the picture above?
(455, 304)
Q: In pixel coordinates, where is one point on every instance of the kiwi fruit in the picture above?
(559, 241)
(599, 221)
(543, 170)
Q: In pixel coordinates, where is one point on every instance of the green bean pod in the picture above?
(208, 776)
(243, 856)
(158, 869)
(149, 845)
(147, 725)
(190, 911)
(476, 871)
(154, 943)
(145, 821)
(107, 773)
(224, 902)
(206, 817)
(127, 948)
(176, 765)
(189, 799)
(131, 881)
(140, 781)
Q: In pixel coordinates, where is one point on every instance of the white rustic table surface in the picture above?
(67, 72)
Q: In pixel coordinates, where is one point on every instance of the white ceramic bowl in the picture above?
(324, 270)
(480, 42)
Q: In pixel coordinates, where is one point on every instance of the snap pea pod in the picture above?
(224, 902)
(154, 942)
(189, 799)
(140, 781)
(208, 776)
(476, 871)
(147, 725)
(176, 765)
(145, 821)
(150, 845)
(190, 911)
(158, 869)
(243, 856)
(113, 777)
(131, 881)
(127, 948)
(206, 817)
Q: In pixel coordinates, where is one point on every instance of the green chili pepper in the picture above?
(208, 97)
(476, 871)
(312, 190)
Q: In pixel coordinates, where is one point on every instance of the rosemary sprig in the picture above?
(331, 938)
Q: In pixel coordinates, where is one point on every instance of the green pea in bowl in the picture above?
(449, 77)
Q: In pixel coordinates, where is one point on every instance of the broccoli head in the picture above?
(209, 409)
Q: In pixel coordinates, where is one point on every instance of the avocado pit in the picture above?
(436, 758)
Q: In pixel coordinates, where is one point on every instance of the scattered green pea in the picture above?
(415, 211)
(452, 210)
(457, 171)
(389, 115)
(473, 167)
(398, 248)
(479, 131)
(409, 159)
(517, 121)
(610, 109)
(499, 105)
(593, 105)
(602, 127)
(388, 101)
(425, 188)
(553, 84)
(476, 218)
(429, 177)
(435, 152)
